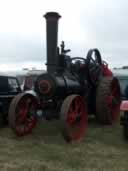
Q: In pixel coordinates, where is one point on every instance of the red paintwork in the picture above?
(77, 129)
(106, 71)
(115, 94)
(25, 123)
(124, 105)
(112, 101)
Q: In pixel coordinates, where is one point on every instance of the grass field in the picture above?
(103, 148)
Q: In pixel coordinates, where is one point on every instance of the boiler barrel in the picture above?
(49, 86)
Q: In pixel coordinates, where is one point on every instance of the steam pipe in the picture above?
(51, 39)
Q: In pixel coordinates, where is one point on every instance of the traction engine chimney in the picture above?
(51, 39)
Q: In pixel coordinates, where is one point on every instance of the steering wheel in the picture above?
(94, 65)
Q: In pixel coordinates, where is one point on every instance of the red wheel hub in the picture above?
(25, 119)
(75, 118)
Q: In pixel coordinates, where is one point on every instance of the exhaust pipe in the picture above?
(51, 39)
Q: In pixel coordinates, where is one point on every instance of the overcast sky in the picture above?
(84, 24)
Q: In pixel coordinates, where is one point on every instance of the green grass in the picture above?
(103, 148)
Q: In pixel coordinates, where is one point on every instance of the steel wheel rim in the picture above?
(76, 118)
(113, 100)
(24, 123)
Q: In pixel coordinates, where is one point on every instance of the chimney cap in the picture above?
(52, 15)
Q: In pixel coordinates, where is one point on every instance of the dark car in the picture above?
(9, 88)
(123, 80)
(122, 75)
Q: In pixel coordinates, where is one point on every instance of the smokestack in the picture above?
(52, 38)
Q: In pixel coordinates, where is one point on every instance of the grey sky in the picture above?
(84, 25)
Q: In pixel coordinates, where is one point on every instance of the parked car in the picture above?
(122, 75)
(9, 88)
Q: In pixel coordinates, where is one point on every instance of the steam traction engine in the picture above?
(71, 89)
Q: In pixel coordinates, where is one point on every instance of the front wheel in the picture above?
(22, 118)
(74, 118)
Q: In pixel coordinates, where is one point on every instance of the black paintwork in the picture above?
(65, 75)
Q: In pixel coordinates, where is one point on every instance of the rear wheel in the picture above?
(108, 100)
(22, 111)
(74, 118)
